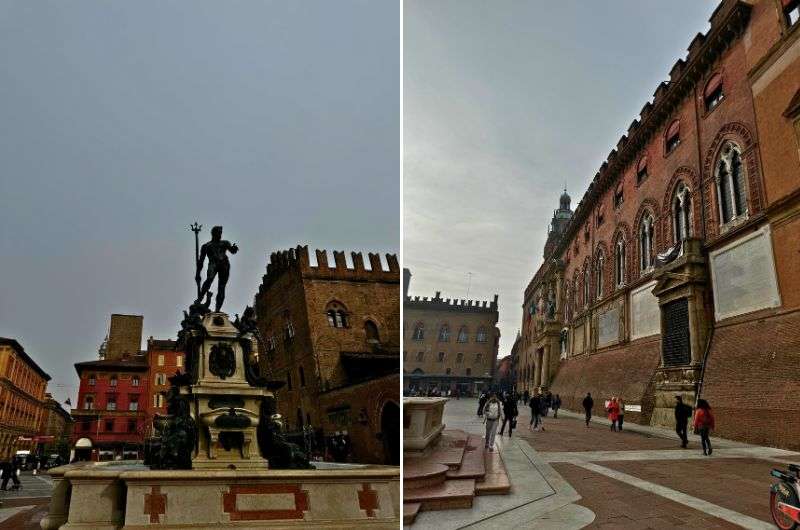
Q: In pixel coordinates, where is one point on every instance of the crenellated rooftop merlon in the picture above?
(297, 261)
(439, 303)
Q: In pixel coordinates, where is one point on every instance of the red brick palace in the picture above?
(678, 272)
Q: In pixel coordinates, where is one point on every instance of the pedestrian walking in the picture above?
(613, 413)
(535, 403)
(491, 412)
(621, 417)
(682, 414)
(510, 413)
(548, 402)
(588, 405)
(704, 424)
(526, 396)
(556, 406)
(481, 403)
(10, 469)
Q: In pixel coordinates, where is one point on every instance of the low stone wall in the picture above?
(752, 380)
(133, 497)
(626, 371)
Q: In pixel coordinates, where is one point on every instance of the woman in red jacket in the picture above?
(613, 413)
(703, 424)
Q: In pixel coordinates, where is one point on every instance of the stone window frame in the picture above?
(463, 334)
(735, 187)
(711, 101)
(646, 233)
(672, 137)
(419, 331)
(372, 331)
(481, 335)
(681, 212)
(337, 314)
(444, 333)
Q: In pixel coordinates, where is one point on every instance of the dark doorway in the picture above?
(390, 428)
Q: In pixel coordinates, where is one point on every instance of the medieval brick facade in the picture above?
(678, 271)
(332, 334)
(449, 344)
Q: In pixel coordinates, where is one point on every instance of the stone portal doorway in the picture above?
(390, 428)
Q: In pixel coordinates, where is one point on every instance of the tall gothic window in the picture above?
(599, 275)
(619, 262)
(586, 283)
(646, 242)
(419, 331)
(731, 189)
(462, 334)
(444, 333)
(681, 213)
(481, 335)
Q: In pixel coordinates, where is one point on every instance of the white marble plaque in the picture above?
(743, 276)
(645, 313)
(608, 327)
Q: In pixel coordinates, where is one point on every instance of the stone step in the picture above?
(495, 481)
(473, 464)
(450, 449)
(449, 495)
(410, 511)
(421, 473)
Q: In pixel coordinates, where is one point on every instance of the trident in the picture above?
(196, 229)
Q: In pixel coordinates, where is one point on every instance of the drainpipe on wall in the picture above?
(703, 366)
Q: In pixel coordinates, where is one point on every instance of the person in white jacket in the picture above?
(492, 413)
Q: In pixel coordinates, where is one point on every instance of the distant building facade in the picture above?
(677, 273)
(55, 429)
(449, 344)
(111, 412)
(332, 333)
(22, 399)
(163, 362)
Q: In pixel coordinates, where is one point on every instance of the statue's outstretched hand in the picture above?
(234, 248)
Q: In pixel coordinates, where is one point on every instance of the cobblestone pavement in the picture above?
(641, 478)
(22, 509)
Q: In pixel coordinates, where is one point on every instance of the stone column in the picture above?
(546, 366)
(537, 372)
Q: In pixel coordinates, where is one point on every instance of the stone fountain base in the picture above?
(128, 496)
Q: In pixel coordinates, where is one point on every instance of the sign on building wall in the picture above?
(645, 314)
(608, 327)
(743, 276)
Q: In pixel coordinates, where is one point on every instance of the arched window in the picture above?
(730, 178)
(459, 358)
(88, 403)
(481, 335)
(681, 213)
(641, 170)
(419, 331)
(646, 242)
(599, 275)
(673, 137)
(586, 283)
(444, 333)
(713, 93)
(371, 331)
(337, 315)
(462, 334)
(619, 262)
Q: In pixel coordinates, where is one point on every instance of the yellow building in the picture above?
(449, 344)
(22, 388)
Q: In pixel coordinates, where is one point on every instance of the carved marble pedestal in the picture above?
(224, 405)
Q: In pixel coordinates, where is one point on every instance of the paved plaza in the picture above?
(22, 509)
(571, 476)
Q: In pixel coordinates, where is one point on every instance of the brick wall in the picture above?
(623, 372)
(124, 336)
(752, 380)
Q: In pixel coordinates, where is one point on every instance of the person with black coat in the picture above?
(588, 404)
(682, 414)
(10, 473)
(535, 404)
(510, 413)
(481, 403)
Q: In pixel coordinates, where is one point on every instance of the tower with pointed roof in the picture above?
(558, 224)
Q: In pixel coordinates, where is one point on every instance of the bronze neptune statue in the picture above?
(218, 264)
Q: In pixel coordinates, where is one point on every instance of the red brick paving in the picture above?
(568, 434)
(28, 519)
(739, 484)
(621, 506)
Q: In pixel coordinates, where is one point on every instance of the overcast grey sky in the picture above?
(504, 102)
(123, 122)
